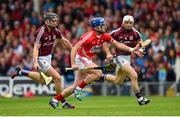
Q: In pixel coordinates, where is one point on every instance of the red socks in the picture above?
(82, 84)
(59, 97)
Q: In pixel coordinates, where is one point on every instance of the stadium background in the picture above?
(157, 20)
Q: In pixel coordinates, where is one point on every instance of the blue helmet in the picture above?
(98, 21)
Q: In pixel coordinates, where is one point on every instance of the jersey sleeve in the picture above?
(38, 37)
(112, 33)
(107, 37)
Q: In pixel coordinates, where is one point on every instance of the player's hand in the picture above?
(109, 59)
(137, 47)
(74, 66)
(139, 52)
(36, 66)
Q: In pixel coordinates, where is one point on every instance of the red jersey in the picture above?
(46, 39)
(91, 42)
(129, 38)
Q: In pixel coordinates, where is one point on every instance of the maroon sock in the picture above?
(103, 77)
(82, 85)
(24, 72)
(60, 97)
(138, 94)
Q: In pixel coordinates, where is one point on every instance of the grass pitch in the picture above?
(91, 106)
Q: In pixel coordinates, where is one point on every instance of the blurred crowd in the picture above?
(158, 20)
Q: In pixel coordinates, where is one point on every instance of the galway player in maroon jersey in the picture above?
(82, 56)
(45, 38)
(129, 36)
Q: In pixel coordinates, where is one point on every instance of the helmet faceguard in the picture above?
(50, 16)
(128, 22)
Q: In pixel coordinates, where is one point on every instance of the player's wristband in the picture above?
(131, 49)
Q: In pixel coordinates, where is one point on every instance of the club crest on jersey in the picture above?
(131, 38)
(46, 38)
(98, 41)
(54, 36)
(95, 49)
(125, 38)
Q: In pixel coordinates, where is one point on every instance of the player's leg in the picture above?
(36, 76)
(92, 76)
(120, 75)
(45, 65)
(131, 73)
(54, 102)
(56, 78)
(118, 78)
(79, 76)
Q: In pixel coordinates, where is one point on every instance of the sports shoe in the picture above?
(66, 105)
(143, 101)
(16, 72)
(78, 93)
(54, 103)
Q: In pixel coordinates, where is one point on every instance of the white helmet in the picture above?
(128, 18)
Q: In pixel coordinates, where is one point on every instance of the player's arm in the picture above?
(139, 43)
(65, 42)
(73, 54)
(139, 39)
(122, 46)
(106, 49)
(35, 55)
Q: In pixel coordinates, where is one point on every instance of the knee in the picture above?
(134, 77)
(57, 78)
(41, 80)
(118, 82)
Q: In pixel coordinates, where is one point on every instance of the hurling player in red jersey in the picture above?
(82, 55)
(129, 36)
(45, 38)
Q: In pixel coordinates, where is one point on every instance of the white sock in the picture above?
(140, 99)
(55, 100)
(19, 72)
(78, 88)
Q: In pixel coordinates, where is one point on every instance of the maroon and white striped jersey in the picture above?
(129, 38)
(46, 39)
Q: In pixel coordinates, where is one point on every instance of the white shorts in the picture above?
(81, 61)
(122, 60)
(44, 62)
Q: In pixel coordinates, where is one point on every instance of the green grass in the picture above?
(110, 105)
